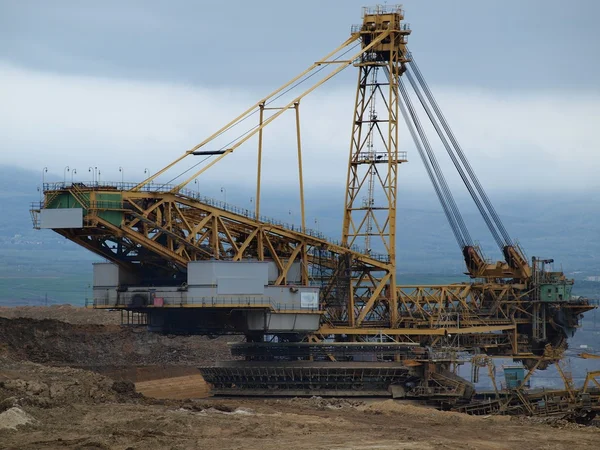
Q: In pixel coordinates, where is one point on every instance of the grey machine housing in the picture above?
(218, 297)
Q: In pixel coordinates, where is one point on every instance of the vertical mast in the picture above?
(371, 190)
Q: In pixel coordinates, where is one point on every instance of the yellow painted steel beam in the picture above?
(328, 330)
(259, 159)
(374, 297)
(300, 178)
(282, 278)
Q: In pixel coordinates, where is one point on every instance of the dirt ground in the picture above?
(63, 313)
(47, 403)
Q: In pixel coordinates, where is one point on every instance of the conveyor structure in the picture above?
(318, 314)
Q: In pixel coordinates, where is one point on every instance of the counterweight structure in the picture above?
(318, 314)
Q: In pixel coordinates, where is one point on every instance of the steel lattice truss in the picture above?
(161, 232)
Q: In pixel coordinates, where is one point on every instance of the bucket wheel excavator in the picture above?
(319, 317)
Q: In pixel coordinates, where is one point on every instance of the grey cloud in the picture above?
(500, 45)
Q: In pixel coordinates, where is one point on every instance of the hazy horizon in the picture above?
(133, 85)
(112, 95)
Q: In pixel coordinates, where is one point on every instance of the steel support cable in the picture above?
(185, 171)
(137, 187)
(460, 153)
(294, 86)
(459, 168)
(447, 198)
(298, 83)
(312, 74)
(451, 220)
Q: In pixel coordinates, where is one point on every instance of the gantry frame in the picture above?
(158, 228)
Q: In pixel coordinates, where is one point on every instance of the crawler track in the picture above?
(302, 378)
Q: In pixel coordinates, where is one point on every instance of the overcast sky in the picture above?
(134, 84)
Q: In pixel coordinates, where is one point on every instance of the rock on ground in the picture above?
(13, 417)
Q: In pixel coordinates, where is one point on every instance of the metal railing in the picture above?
(379, 156)
(382, 9)
(202, 302)
(357, 28)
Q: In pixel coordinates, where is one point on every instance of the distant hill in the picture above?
(18, 190)
(565, 226)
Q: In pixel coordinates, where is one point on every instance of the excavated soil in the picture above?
(63, 313)
(67, 381)
(90, 345)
